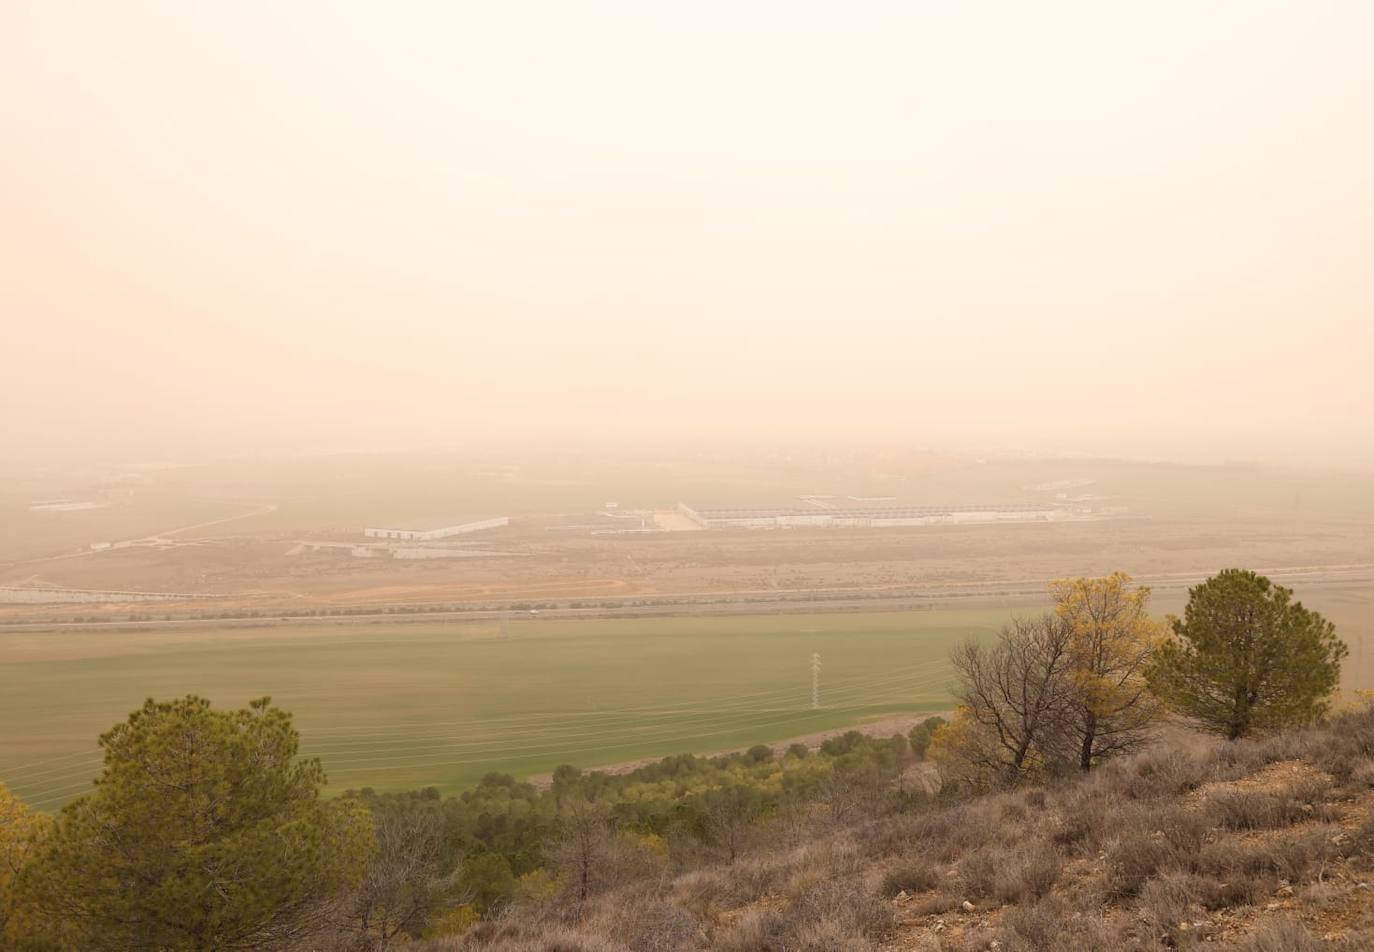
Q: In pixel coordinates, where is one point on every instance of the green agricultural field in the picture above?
(400, 706)
(397, 706)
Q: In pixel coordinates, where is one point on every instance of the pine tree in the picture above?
(205, 831)
(1247, 657)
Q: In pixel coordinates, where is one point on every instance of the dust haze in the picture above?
(1050, 228)
(713, 475)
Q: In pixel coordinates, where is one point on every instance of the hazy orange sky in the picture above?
(1125, 228)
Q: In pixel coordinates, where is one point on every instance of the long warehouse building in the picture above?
(428, 532)
(867, 517)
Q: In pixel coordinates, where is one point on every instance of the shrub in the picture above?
(846, 903)
(1227, 858)
(920, 736)
(1299, 799)
(934, 904)
(1281, 935)
(1167, 773)
(1361, 842)
(1235, 890)
(830, 915)
(955, 832)
(759, 754)
(1362, 773)
(755, 930)
(659, 926)
(1136, 859)
(729, 887)
(1250, 810)
(911, 877)
(979, 871)
(1027, 874)
(1078, 826)
(1293, 858)
(1036, 926)
(1165, 903)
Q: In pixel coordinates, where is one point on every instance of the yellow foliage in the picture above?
(962, 751)
(20, 829)
(537, 886)
(1360, 700)
(650, 842)
(1113, 634)
(453, 922)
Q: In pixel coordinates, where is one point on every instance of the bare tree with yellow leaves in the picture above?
(1111, 640)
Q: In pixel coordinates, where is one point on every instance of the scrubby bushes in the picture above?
(912, 876)
(820, 852)
(1182, 846)
(1170, 849)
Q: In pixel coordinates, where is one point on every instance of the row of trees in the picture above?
(1093, 678)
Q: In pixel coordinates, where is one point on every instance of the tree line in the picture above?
(206, 830)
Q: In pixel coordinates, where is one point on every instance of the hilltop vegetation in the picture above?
(1259, 845)
(205, 832)
(1262, 845)
(1062, 809)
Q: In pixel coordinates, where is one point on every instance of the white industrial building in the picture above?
(860, 513)
(427, 532)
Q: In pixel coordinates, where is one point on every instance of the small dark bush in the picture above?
(936, 903)
(911, 877)
(1237, 889)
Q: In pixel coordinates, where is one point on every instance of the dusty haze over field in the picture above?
(1085, 227)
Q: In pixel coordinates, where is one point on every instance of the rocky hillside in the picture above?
(1263, 845)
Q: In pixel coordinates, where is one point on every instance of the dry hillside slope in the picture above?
(1263, 845)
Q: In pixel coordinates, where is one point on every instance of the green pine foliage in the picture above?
(505, 824)
(1246, 657)
(205, 831)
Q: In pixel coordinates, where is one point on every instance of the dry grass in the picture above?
(1252, 847)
